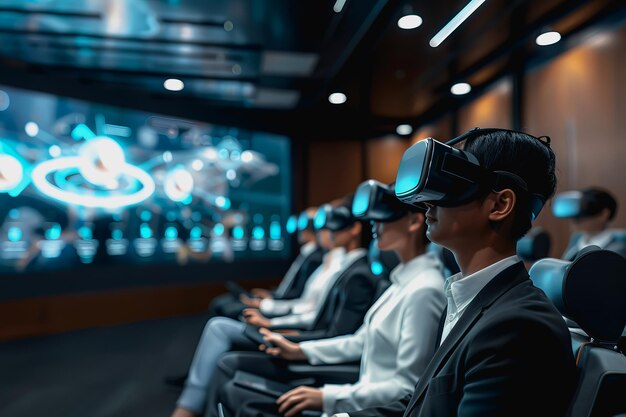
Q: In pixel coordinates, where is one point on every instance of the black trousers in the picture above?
(226, 305)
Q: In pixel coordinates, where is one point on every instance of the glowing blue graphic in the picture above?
(222, 202)
(410, 170)
(82, 132)
(195, 233)
(361, 201)
(88, 198)
(145, 231)
(32, 129)
(218, 229)
(292, 224)
(54, 151)
(102, 162)
(320, 218)
(117, 234)
(53, 232)
(275, 230)
(11, 172)
(85, 233)
(171, 233)
(14, 234)
(145, 216)
(178, 184)
(377, 268)
(258, 232)
(238, 232)
(303, 221)
(567, 205)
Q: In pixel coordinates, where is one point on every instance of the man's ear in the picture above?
(355, 230)
(416, 221)
(501, 204)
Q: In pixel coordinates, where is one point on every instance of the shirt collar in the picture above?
(601, 240)
(461, 290)
(308, 248)
(352, 256)
(404, 273)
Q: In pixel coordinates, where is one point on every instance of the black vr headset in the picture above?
(305, 222)
(580, 204)
(333, 218)
(375, 201)
(437, 173)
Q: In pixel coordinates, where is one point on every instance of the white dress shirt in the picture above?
(304, 310)
(306, 250)
(600, 240)
(395, 343)
(460, 290)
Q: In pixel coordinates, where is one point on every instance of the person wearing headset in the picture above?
(504, 349)
(394, 344)
(590, 211)
(292, 285)
(345, 262)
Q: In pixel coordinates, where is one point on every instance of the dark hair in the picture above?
(523, 155)
(602, 199)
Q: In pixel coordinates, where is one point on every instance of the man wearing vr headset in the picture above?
(504, 348)
(393, 354)
(344, 264)
(590, 211)
(292, 284)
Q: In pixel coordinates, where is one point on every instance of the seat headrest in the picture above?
(591, 290)
(534, 246)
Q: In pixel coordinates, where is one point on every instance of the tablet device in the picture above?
(259, 384)
(236, 290)
(253, 333)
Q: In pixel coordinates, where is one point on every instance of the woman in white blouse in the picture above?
(398, 336)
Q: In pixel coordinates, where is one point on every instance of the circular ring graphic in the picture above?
(107, 200)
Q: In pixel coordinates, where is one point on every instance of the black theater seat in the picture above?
(591, 292)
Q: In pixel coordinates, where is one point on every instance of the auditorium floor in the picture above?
(106, 372)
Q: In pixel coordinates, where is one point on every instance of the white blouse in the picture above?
(395, 342)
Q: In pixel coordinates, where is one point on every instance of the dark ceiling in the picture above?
(271, 64)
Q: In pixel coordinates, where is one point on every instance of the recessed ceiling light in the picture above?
(337, 98)
(410, 21)
(455, 22)
(338, 7)
(404, 130)
(228, 26)
(459, 89)
(548, 38)
(173, 84)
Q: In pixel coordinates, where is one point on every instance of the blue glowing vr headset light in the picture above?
(292, 224)
(435, 172)
(376, 201)
(333, 218)
(578, 204)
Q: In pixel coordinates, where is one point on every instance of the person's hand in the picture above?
(254, 317)
(250, 302)
(298, 399)
(261, 293)
(281, 347)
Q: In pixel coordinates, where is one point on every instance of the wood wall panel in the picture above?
(335, 169)
(383, 158)
(48, 315)
(491, 109)
(579, 99)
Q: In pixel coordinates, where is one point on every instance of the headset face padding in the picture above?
(591, 290)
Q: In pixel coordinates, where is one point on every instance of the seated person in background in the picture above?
(504, 348)
(292, 285)
(590, 212)
(344, 268)
(395, 342)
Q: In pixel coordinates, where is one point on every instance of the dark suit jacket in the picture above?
(346, 304)
(309, 265)
(508, 355)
